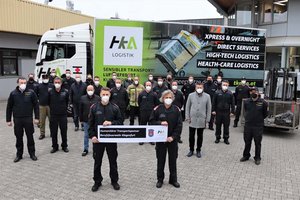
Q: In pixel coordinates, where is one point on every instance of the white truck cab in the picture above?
(65, 48)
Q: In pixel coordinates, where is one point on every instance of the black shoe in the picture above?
(257, 162)
(234, 125)
(65, 149)
(217, 141)
(190, 154)
(243, 159)
(152, 143)
(76, 128)
(141, 143)
(33, 157)
(180, 141)
(211, 128)
(226, 142)
(17, 159)
(175, 184)
(85, 152)
(116, 186)
(41, 137)
(53, 150)
(96, 187)
(198, 154)
(159, 184)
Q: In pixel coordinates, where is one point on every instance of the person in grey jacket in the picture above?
(197, 113)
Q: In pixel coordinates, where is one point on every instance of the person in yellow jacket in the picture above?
(133, 91)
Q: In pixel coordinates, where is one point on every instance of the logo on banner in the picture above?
(77, 69)
(123, 46)
(150, 132)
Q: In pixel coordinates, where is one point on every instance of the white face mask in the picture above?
(159, 83)
(118, 85)
(45, 80)
(90, 93)
(129, 78)
(68, 75)
(57, 85)
(150, 78)
(53, 74)
(22, 87)
(148, 88)
(219, 80)
(168, 101)
(97, 83)
(174, 87)
(199, 90)
(114, 77)
(191, 80)
(243, 82)
(136, 82)
(78, 80)
(224, 87)
(105, 99)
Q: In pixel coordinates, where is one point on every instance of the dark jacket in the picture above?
(76, 91)
(100, 113)
(223, 102)
(86, 102)
(20, 104)
(110, 83)
(172, 115)
(160, 89)
(127, 83)
(210, 88)
(67, 83)
(89, 82)
(58, 102)
(119, 97)
(43, 93)
(32, 85)
(242, 92)
(255, 112)
(147, 101)
(179, 99)
(188, 89)
(98, 89)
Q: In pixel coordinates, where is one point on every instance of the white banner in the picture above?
(132, 134)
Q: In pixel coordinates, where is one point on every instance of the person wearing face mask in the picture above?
(31, 83)
(210, 88)
(111, 82)
(223, 109)
(133, 93)
(179, 99)
(97, 85)
(76, 91)
(52, 76)
(119, 96)
(151, 79)
(42, 93)
(219, 83)
(160, 88)
(58, 102)
(106, 114)
(86, 101)
(20, 104)
(241, 92)
(68, 80)
(167, 114)
(197, 114)
(89, 80)
(128, 81)
(147, 100)
(169, 80)
(188, 88)
(256, 110)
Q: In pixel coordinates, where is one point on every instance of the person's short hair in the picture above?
(199, 83)
(209, 76)
(57, 78)
(159, 78)
(225, 81)
(21, 78)
(105, 89)
(30, 74)
(113, 72)
(174, 82)
(166, 92)
(44, 76)
(68, 70)
(96, 77)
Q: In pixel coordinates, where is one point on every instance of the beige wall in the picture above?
(24, 16)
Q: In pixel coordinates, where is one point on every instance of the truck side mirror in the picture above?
(43, 55)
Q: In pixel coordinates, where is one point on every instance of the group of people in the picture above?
(154, 102)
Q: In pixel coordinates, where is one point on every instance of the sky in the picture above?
(142, 9)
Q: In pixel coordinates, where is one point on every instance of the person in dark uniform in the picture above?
(68, 80)
(169, 80)
(187, 89)
(52, 76)
(89, 80)
(128, 81)
(256, 110)
(219, 82)
(160, 88)
(147, 100)
(179, 99)
(21, 102)
(223, 108)
(42, 93)
(241, 92)
(153, 82)
(169, 115)
(210, 88)
(58, 103)
(31, 83)
(119, 96)
(77, 90)
(86, 101)
(97, 85)
(111, 82)
(104, 113)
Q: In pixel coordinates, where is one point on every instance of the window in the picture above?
(280, 10)
(266, 11)
(244, 14)
(59, 51)
(273, 11)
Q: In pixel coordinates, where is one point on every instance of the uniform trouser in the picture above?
(238, 111)
(199, 138)
(123, 113)
(86, 136)
(222, 118)
(250, 133)
(22, 124)
(44, 112)
(112, 154)
(76, 114)
(61, 122)
(211, 122)
(145, 116)
(161, 153)
(134, 111)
